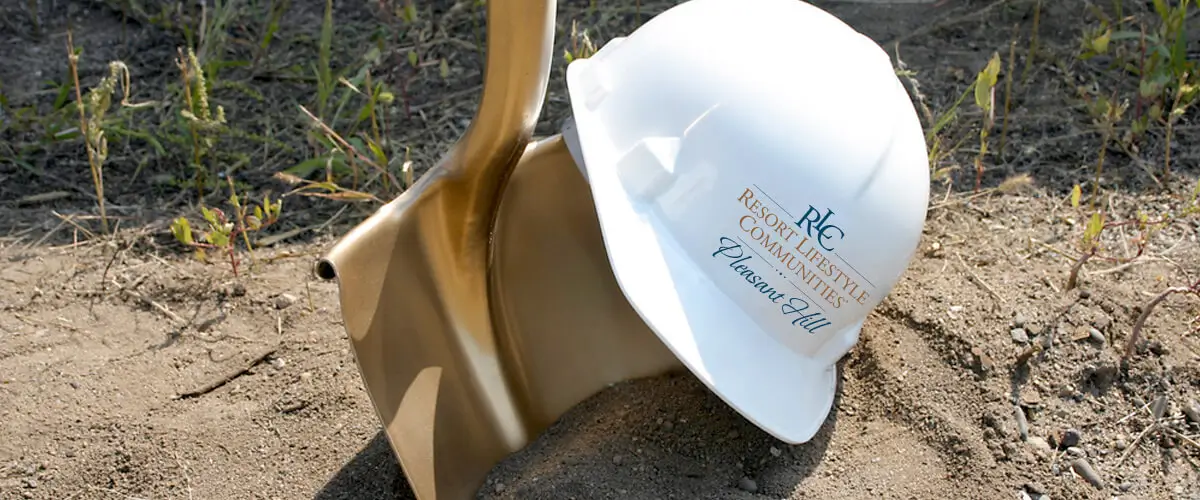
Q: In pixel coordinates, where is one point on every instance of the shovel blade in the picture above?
(460, 379)
(566, 329)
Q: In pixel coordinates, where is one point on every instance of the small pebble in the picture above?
(747, 484)
(1192, 410)
(1068, 438)
(1120, 444)
(1009, 449)
(284, 301)
(617, 459)
(1125, 487)
(1159, 407)
(1019, 335)
(1035, 488)
(1022, 423)
(1019, 321)
(1039, 445)
(1083, 468)
(1097, 337)
(775, 452)
(500, 487)
(1157, 348)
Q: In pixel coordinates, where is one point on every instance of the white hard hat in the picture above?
(761, 181)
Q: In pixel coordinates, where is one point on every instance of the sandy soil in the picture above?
(102, 343)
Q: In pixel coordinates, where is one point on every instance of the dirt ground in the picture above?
(104, 343)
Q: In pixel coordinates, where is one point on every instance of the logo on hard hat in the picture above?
(813, 280)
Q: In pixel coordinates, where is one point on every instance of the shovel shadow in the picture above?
(372, 473)
(375, 473)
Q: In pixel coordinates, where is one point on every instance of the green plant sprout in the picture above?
(985, 100)
(222, 233)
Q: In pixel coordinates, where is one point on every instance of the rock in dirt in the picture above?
(1192, 411)
(1157, 348)
(1031, 398)
(284, 301)
(1068, 438)
(235, 290)
(1084, 469)
(1022, 423)
(1019, 321)
(1096, 336)
(1039, 445)
(747, 484)
(1159, 408)
(1019, 335)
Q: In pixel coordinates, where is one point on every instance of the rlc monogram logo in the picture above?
(824, 230)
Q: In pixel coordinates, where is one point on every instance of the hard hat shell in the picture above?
(761, 181)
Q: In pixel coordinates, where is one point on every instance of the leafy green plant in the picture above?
(221, 232)
(1167, 85)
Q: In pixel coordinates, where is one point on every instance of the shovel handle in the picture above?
(520, 46)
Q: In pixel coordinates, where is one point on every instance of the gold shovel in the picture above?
(480, 303)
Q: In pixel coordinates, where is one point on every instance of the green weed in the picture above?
(985, 99)
(203, 124)
(222, 232)
(1157, 56)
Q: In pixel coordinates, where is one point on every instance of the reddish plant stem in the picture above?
(1073, 278)
(1135, 335)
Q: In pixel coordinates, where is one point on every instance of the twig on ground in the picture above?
(228, 377)
(71, 220)
(180, 322)
(979, 280)
(1122, 267)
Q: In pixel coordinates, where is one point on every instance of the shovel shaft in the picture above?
(520, 43)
